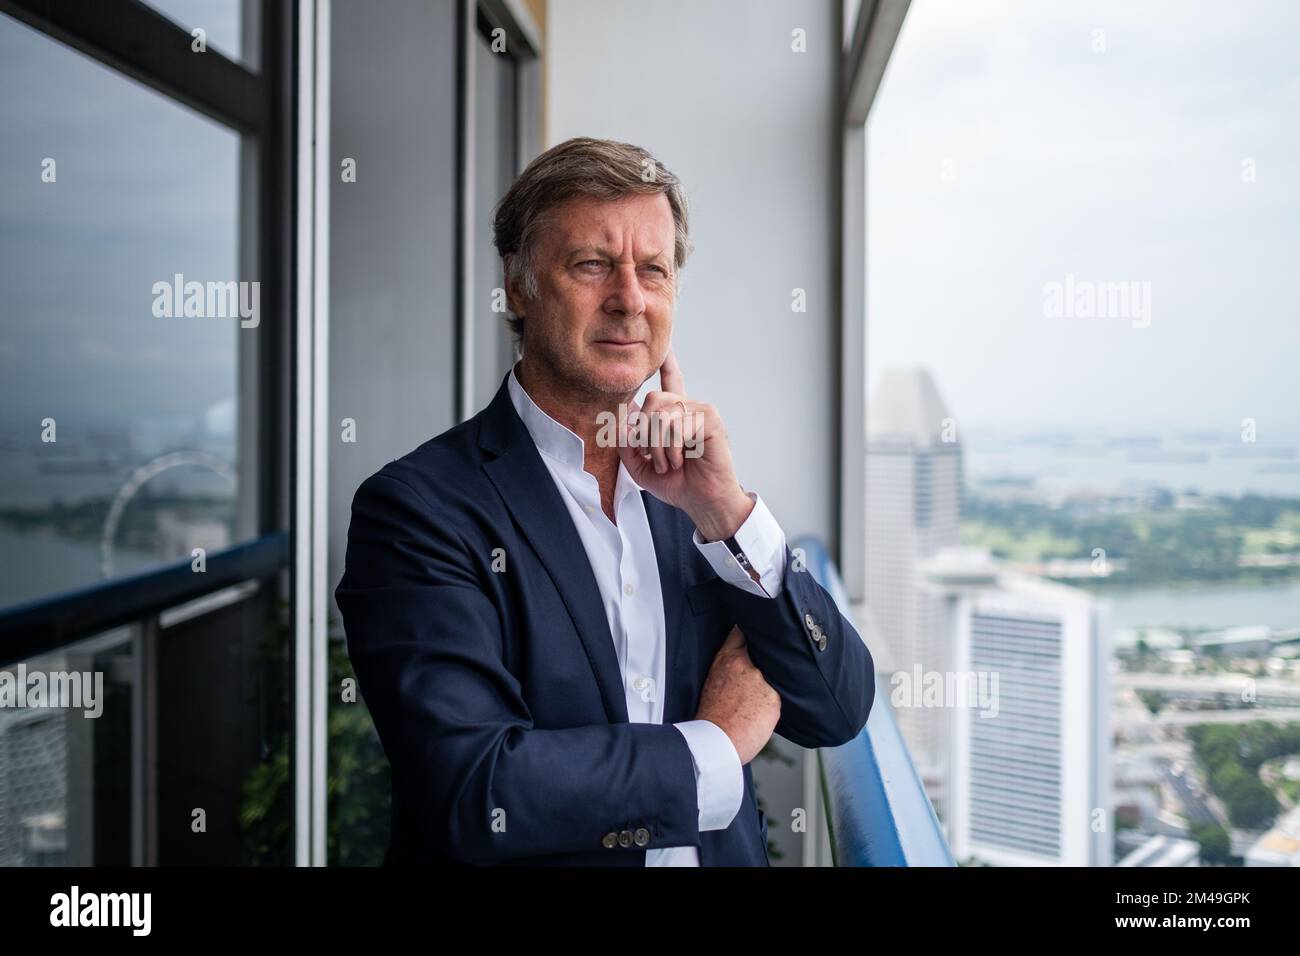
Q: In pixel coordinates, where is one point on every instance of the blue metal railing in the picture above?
(877, 810)
(51, 622)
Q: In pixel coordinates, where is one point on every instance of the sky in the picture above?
(1012, 145)
(143, 188)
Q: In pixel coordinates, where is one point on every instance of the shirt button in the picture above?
(641, 837)
(628, 589)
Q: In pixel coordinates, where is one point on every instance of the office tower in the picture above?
(1029, 781)
(1162, 850)
(914, 490)
(33, 782)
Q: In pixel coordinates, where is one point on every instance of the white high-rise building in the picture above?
(914, 491)
(1030, 774)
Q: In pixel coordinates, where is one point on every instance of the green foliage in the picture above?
(358, 785)
(1232, 755)
(1153, 699)
(265, 812)
(358, 790)
(1160, 544)
(1216, 844)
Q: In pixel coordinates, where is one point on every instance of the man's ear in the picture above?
(514, 294)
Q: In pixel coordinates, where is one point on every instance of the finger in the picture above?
(674, 439)
(735, 639)
(693, 433)
(670, 375)
(630, 454)
(658, 453)
(667, 423)
(652, 431)
(627, 422)
(639, 427)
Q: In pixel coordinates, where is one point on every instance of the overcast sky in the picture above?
(1005, 153)
(143, 188)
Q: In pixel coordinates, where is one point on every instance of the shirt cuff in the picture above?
(719, 779)
(762, 541)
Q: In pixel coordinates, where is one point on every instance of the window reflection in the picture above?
(118, 431)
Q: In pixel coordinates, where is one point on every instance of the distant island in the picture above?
(1158, 539)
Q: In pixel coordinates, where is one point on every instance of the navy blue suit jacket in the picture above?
(496, 691)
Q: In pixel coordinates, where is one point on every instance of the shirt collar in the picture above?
(555, 440)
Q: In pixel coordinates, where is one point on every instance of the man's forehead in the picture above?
(595, 222)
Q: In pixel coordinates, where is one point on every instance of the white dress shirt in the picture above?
(622, 556)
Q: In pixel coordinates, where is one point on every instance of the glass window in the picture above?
(229, 26)
(118, 433)
(1082, 231)
(495, 123)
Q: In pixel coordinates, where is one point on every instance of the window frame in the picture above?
(140, 43)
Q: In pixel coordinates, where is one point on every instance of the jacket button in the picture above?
(625, 838)
(808, 622)
(641, 837)
(821, 643)
(609, 840)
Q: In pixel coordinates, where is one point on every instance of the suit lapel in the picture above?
(529, 492)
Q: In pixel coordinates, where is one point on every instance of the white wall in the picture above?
(713, 90)
(392, 242)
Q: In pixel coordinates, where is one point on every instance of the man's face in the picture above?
(606, 280)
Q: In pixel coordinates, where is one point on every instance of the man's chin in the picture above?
(618, 378)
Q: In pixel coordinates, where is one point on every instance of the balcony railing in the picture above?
(52, 622)
(877, 810)
(177, 655)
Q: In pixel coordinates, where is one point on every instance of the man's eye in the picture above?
(660, 269)
(591, 262)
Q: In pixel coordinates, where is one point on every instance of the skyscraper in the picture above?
(914, 490)
(1029, 775)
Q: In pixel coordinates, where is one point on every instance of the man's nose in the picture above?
(626, 295)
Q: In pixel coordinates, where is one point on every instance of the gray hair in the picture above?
(598, 168)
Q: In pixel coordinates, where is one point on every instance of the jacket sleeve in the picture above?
(426, 643)
(826, 693)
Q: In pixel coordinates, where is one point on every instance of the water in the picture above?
(1065, 464)
(41, 565)
(1214, 606)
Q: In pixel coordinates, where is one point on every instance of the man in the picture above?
(573, 627)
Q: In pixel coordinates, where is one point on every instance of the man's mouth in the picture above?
(618, 343)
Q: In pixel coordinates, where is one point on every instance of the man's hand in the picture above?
(738, 699)
(677, 450)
